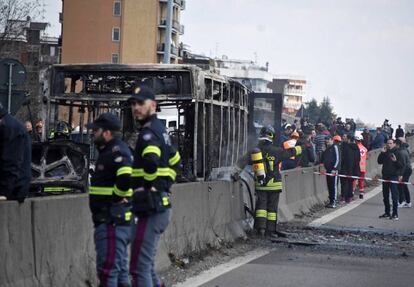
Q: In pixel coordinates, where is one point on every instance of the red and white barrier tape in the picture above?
(364, 178)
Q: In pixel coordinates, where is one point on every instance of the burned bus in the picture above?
(206, 116)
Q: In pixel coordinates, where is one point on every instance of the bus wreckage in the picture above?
(206, 115)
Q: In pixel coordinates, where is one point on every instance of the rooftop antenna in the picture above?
(255, 57)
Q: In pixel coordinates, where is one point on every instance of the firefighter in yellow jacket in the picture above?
(265, 160)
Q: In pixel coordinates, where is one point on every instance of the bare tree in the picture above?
(15, 16)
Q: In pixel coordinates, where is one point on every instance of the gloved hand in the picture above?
(235, 175)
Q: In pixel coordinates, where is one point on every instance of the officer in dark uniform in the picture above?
(108, 200)
(15, 158)
(155, 161)
(268, 189)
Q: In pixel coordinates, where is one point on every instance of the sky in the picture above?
(359, 53)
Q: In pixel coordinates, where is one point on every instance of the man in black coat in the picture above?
(392, 168)
(399, 133)
(15, 158)
(403, 193)
(330, 160)
(350, 157)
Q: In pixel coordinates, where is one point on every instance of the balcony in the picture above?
(294, 92)
(180, 3)
(176, 26)
(174, 50)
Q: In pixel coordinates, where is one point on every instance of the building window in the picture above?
(117, 8)
(116, 34)
(52, 51)
(115, 58)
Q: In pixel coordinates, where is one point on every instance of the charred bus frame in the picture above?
(212, 110)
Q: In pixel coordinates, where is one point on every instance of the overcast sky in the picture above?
(359, 53)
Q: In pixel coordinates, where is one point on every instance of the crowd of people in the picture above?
(341, 149)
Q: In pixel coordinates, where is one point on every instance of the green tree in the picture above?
(326, 114)
(312, 111)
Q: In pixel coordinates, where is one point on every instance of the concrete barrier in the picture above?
(204, 214)
(302, 190)
(410, 142)
(63, 241)
(373, 168)
(49, 241)
(17, 265)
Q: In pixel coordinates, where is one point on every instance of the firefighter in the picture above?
(109, 195)
(266, 158)
(290, 163)
(155, 161)
(362, 164)
(60, 133)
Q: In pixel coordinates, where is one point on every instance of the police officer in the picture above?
(15, 158)
(153, 174)
(269, 188)
(108, 200)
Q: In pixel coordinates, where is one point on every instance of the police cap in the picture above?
(106, 121)
(142, 93)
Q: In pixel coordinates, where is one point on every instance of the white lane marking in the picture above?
(221, 269)
(341, 211)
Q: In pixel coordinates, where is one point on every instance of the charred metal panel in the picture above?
(60, 163)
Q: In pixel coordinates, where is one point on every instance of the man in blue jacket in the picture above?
(15, 158)
(379, 140)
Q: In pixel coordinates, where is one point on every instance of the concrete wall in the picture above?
(17, 266)
(49, 241)
(302, 189)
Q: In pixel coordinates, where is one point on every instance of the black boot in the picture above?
(261, 232)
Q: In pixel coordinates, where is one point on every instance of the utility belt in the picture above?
(146, 201)
(116, 214)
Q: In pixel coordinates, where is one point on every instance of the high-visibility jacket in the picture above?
(155, 160)
(272, 156)
(290, 144)
(111, 180)
(364, 154)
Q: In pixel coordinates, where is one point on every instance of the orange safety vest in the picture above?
(364, 154)
(290, 144)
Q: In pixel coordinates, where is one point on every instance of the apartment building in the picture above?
(119, 31)
(293, 90)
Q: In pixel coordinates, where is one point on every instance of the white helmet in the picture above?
(358, 137)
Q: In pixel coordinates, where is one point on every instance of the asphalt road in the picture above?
(287, 267)
(308, 267)
(365, 217)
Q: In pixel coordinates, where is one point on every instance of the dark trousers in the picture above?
(111, 245)
(346, 188)
(146, 233)
(266, 210)
(403, 192)
(388, 187)
(332, 183)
